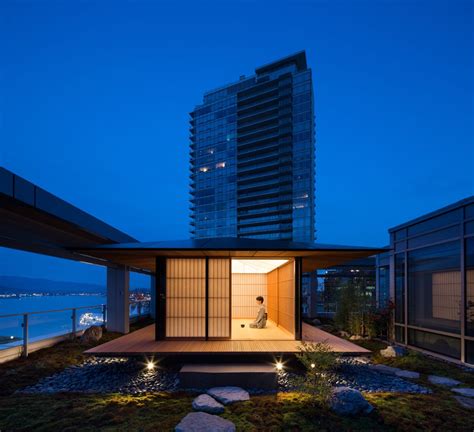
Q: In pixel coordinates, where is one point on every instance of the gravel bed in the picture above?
(129, 376)
(108, 375)
(354, 372)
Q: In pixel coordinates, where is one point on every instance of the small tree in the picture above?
(379, 322)
(318, 360)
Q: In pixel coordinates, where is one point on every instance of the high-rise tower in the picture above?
(253, 156)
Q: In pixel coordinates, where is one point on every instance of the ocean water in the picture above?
(48, 324)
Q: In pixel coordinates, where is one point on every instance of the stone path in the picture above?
(466, 402)
(443, 381)
(228, 395)
(407, 374)
(203, 422)
(465, 395)
(207, 404)
(211, 403)
(468, 392)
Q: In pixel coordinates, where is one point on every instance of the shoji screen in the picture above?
(272, 295)
(245, 288)
(446, 295)
(219, 298)
(286, 297)
(185, 297)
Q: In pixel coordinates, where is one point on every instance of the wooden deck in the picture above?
(142, 342)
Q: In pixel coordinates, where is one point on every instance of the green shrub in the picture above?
(357, 317)
(319, 360)
(378, 322)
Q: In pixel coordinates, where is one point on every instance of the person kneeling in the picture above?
(260, 321)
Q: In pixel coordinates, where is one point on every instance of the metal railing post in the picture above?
(25, 335)
(74, 324)
(104, 308)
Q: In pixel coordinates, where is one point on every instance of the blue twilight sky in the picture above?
(95, 97)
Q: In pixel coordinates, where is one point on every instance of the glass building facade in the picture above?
(432, 281)
(252, 156)
(324, 296)
(382, 279)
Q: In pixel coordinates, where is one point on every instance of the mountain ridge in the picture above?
(27, 285)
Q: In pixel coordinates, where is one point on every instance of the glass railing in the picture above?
(140, 308)
(22, 329)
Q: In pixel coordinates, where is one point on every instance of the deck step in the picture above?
(251, 375)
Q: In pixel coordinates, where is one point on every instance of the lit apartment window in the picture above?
(204, 169)
(220, 165)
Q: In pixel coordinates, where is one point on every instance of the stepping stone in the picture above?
(207, 404)
(469, 392)
(203, 422)
(349, 401)
(465, 401)
(444, 381)
(407, 374)
(388, 370)
(229, 394)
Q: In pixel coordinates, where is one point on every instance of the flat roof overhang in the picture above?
(34, 220)
(314, 255)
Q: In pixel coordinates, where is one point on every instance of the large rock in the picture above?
(203, 422)
(393, 351)
(92, 334)
(229, 394)
(348, 401)
(444, 381)
(465, 402)
(207, 404)
(469, 392)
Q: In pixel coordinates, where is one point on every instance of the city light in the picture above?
(313, 365)
(150, 365)
(279, 366)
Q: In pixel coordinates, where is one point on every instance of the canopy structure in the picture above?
(143, 255)
(33, 219)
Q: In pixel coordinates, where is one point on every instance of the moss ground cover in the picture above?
(162, 411)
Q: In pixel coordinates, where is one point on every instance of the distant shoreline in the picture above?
(46, 294)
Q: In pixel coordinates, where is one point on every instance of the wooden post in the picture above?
(118, 302)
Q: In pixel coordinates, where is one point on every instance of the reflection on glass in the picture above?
(434, 287)
(400, 288)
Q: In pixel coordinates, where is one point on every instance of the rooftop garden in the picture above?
(292, 410)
